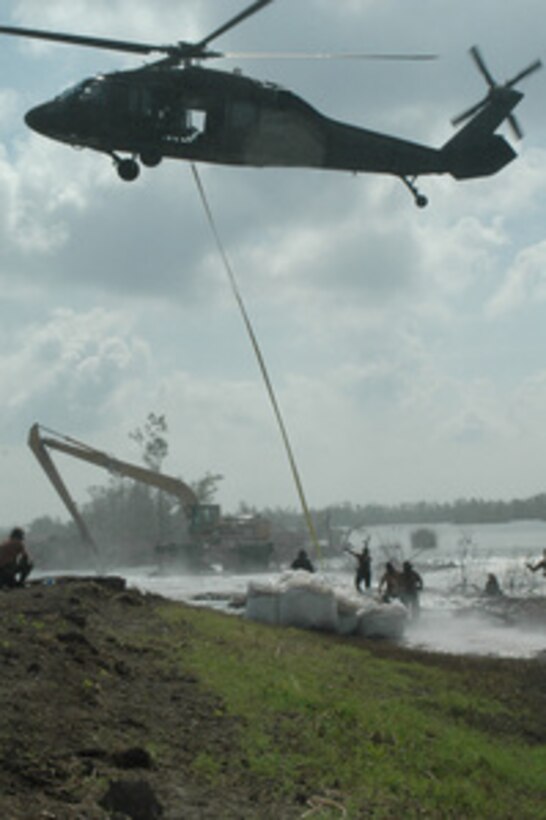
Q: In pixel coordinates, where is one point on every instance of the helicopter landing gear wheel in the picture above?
(151, 158)
(128, 169)
(420, 200)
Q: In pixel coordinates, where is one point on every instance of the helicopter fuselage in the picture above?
(176, 108)
(213, 116)
(206, 115)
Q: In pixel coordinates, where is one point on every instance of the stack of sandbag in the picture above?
(348, 613)
(262, 602)
(309, 601)
(296, 599)
(382, 620)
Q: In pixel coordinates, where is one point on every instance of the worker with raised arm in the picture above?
(539, 565)
(363, 572)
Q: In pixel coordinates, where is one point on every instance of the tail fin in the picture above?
(475, 150)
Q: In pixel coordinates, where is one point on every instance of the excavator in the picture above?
(237, 543)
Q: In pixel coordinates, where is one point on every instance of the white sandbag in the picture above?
(383, 621)
(262, 603)
(307, 602)
(348, 614)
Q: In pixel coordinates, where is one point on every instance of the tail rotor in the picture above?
(495, 90)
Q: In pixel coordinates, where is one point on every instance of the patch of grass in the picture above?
(208, 767)
(389, 738)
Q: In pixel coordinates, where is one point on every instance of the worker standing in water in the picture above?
(364, 565)
(302, 561)
(411, 585)
(390, 583)
(492, 586)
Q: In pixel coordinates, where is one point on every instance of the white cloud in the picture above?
(106, 18)
(405, 345)
(68, 367)
(525, 282)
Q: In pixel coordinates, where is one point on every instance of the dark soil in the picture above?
(98, 722)
(86, 692)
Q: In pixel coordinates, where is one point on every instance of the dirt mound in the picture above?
(103, 715)
(96, 717)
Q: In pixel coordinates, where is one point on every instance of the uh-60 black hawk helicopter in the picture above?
(176, 108)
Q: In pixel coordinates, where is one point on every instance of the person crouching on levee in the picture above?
(15, 564)
(364, 566)
(390, 583)
(302, 561)
(411, 585)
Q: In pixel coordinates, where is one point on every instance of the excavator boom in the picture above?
(37, 445)
(243, 542)
(40, 446)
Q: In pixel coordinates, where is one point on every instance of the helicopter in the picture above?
(176, 108)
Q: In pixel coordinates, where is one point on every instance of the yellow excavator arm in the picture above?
(40, 446)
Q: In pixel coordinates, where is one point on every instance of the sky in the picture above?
(406, 346)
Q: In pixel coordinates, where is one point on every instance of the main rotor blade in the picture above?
(525, 73)
(478, 59)
(82, 40)
(252, 9)
(301, 55)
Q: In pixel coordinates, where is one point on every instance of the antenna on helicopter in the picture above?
(496, 90)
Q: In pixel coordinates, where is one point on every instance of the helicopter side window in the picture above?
(196, 121)
(141, 102)
(182, 120)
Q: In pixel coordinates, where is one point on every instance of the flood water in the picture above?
(453, 617)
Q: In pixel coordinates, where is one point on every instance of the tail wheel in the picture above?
(420, 200)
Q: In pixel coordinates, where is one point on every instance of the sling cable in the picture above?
(261, 361)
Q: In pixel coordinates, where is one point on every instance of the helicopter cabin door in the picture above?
(277, 131)
(160, 115)
(241, 123)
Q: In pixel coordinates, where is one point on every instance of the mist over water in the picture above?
(449, 622)
(473, 634)
(455, 616)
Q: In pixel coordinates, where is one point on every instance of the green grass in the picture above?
(382, 738)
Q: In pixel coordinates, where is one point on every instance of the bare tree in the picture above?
(151, 440)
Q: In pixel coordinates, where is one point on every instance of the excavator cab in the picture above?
(204, 518)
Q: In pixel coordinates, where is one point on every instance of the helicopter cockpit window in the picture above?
(72, 91)
(88, 90)
(91, 90)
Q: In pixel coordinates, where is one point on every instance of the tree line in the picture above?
(128, 519)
